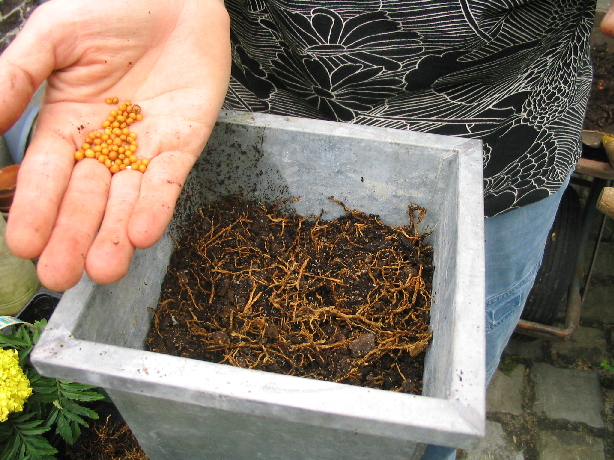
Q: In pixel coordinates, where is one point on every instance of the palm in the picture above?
(172, 61)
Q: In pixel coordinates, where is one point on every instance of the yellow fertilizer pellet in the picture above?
(116, 145)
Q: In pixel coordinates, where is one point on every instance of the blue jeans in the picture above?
(514, 246)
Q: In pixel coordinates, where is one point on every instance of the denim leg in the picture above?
(514, 246)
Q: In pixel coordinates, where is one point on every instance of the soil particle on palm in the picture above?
(345, 300)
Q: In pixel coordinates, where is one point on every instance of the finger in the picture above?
(108, 259)
(43, 176)
(161, 185)
(62, 262)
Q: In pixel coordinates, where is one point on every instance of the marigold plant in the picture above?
(14, 385)
(32, 406)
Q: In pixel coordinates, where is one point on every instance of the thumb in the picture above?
(24, 65)
(607, 23)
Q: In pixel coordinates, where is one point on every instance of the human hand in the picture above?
(607, 23)
(173, 59)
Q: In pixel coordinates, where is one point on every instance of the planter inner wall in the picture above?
(181, 408)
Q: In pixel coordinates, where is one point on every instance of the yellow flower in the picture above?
(14, 385)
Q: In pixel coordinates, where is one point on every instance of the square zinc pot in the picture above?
(180, 408)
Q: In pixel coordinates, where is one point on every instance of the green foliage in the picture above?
(23, 438)
(608, 366)
(54, 406)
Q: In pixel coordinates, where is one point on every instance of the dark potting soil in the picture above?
(600, 110)
(345, 300)
(108, 438)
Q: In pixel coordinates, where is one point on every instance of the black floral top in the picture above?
(514, 73)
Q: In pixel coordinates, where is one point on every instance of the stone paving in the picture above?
(553, 400)
(13, 14)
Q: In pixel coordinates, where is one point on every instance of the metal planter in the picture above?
(185, 409)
